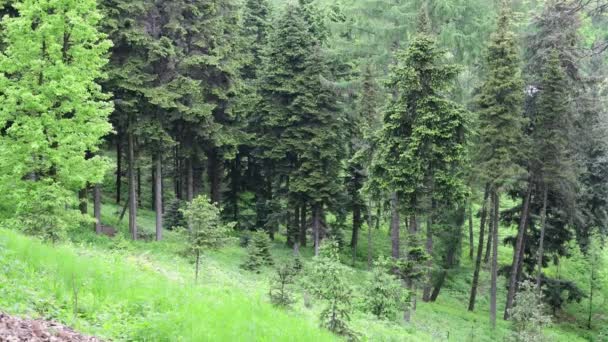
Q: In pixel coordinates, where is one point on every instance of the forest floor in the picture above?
(122, 290)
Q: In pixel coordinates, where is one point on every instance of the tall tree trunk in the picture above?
(378, 216)
(132, 188)
(471, 238)
(189, 179)
(138, 187)
(521, 232)
(316, 225)
(158, 195)
(214, 171)
(97, 207)
(591, 289)
(426, 291)
(82, 201)
(486, 257)
(438, 285)
(541, 244)
(395, 225)
(118, 168)
(153, 185)
(482, 229)
(494, 277)
(236, 181)
(357, 223)
(303, 225)
(197, 265)
(369, 236)
(177, 174)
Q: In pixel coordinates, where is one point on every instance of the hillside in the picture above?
(145, 291)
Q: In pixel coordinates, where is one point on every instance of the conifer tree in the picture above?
(52, 111)
(500, 145)
(206, 231)
(421, 144)
(302, 135)
(258, 252)
(551, 161)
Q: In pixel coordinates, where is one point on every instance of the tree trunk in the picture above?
(357, 223)
(591, 288)
(97, 207)
(482, 229)
(521, 232)
(494, 277)
(214, 171)
(189, 179)
(486, 257)
(471, 238)
(369, 236)
(138, 187)
(197, 265)
(426, 291)
(158, 196)
(132, 189)
(236, 180)
(82, 201)
(541, 245)
(303, 225)
(438, 285)
(395, 225)
(316, 223)
(177, 174)
(118, 168)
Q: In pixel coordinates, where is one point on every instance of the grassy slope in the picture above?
(144, 291)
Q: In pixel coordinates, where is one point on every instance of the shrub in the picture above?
(528, 316)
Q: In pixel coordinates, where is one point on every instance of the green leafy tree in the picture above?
(327, 280)
(384, 296)
(258, 252)
(206, 228)
(528, 316)
(53, 113)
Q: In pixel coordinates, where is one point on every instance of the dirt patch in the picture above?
(13, 329)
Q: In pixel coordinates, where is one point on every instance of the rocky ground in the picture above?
(14, 329)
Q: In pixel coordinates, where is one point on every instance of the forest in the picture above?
(304, 170)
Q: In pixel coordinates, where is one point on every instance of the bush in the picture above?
(528, 316)
(258, 254)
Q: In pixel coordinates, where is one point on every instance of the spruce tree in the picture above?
(301, 131)
(551, 161)
(501, 140)
(421, 145)
(53, 112)
(258, 252)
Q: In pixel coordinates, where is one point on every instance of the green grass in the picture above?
(123, 296)
(144, 291)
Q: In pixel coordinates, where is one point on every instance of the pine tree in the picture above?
(53, 112)
(384, 296)
(258, 252)
(501, 140)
